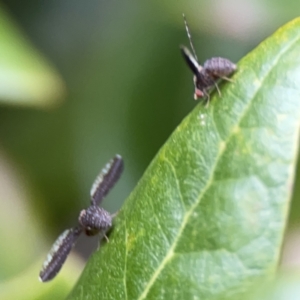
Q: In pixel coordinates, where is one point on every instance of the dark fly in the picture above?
(92, 220)
(205, 76)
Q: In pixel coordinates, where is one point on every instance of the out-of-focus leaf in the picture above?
(286, 286)
(26, 78)
(26, 285)
(20, 233)
(22, 242)
(207, 219)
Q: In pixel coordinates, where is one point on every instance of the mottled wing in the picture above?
(58, 253)
(108, 176)
(190, 60)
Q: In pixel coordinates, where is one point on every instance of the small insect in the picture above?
(213, 69)
(92, 220)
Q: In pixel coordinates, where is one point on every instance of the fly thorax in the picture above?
(95, 219)
(203, 80)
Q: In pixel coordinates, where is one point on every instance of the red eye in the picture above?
(198, 94)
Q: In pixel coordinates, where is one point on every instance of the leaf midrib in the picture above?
(210, 180)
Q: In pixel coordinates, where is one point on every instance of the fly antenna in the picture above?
(189, 36)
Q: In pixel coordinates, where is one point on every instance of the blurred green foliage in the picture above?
(25, 77)
(125, 81)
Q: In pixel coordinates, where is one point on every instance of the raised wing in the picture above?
(59, 253)
(107, 178)
(190, 60)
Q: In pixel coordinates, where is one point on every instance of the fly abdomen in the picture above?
(219, 67)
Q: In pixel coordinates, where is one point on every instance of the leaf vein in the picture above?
(210, 180)
(176, 180)
(158, 223)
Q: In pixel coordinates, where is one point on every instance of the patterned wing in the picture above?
(59, 253)
(191, 60)
(107, 178)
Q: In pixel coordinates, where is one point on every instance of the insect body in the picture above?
(92, 220)
(205, 76)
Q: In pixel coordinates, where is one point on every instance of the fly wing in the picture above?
(190, 60)
(59, 253)
(107, 178)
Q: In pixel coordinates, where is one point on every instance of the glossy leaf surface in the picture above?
(207, 219)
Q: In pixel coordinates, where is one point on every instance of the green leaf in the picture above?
(286, 286)
(25, 76)
(207, 219)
